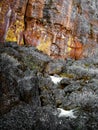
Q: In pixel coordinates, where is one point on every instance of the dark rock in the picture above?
(29, 99)
(65, 82)
(29, 90)
(46, 93)
(17, 84)
(20, 117)
(55, 67)
(25, 117)
(39, 60)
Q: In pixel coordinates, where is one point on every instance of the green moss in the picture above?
(86, 65)
(58, 103)
(67, 75)
(85, 78)
(28, 61)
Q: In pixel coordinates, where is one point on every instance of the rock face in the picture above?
(12, 14)
(54, 25)
(29, 98)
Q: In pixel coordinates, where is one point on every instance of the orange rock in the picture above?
(76, 51)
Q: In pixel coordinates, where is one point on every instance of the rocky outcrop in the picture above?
(30, 94)
(12, 14)
(61, 28)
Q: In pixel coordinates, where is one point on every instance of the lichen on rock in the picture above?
(50, 24)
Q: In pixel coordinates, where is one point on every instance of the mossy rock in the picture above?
(67, 75)
(28, 61)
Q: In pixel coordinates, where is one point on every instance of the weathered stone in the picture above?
(51, 24)
(18, 83)
(55, 68)
(29, 98)
(12, 20)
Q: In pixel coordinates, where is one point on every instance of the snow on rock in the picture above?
(55, 79)
(66, 113)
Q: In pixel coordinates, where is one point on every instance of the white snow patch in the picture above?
(66, 113)
(56, 80)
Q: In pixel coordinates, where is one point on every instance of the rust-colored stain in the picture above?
(76, 51)
(48, 25)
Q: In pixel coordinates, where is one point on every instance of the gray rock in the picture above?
(29, 99)
(55, 67)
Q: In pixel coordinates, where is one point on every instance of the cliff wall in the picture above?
(60, 28)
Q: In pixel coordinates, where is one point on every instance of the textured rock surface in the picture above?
(12, 20)
(54, 24)
(29, 98)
